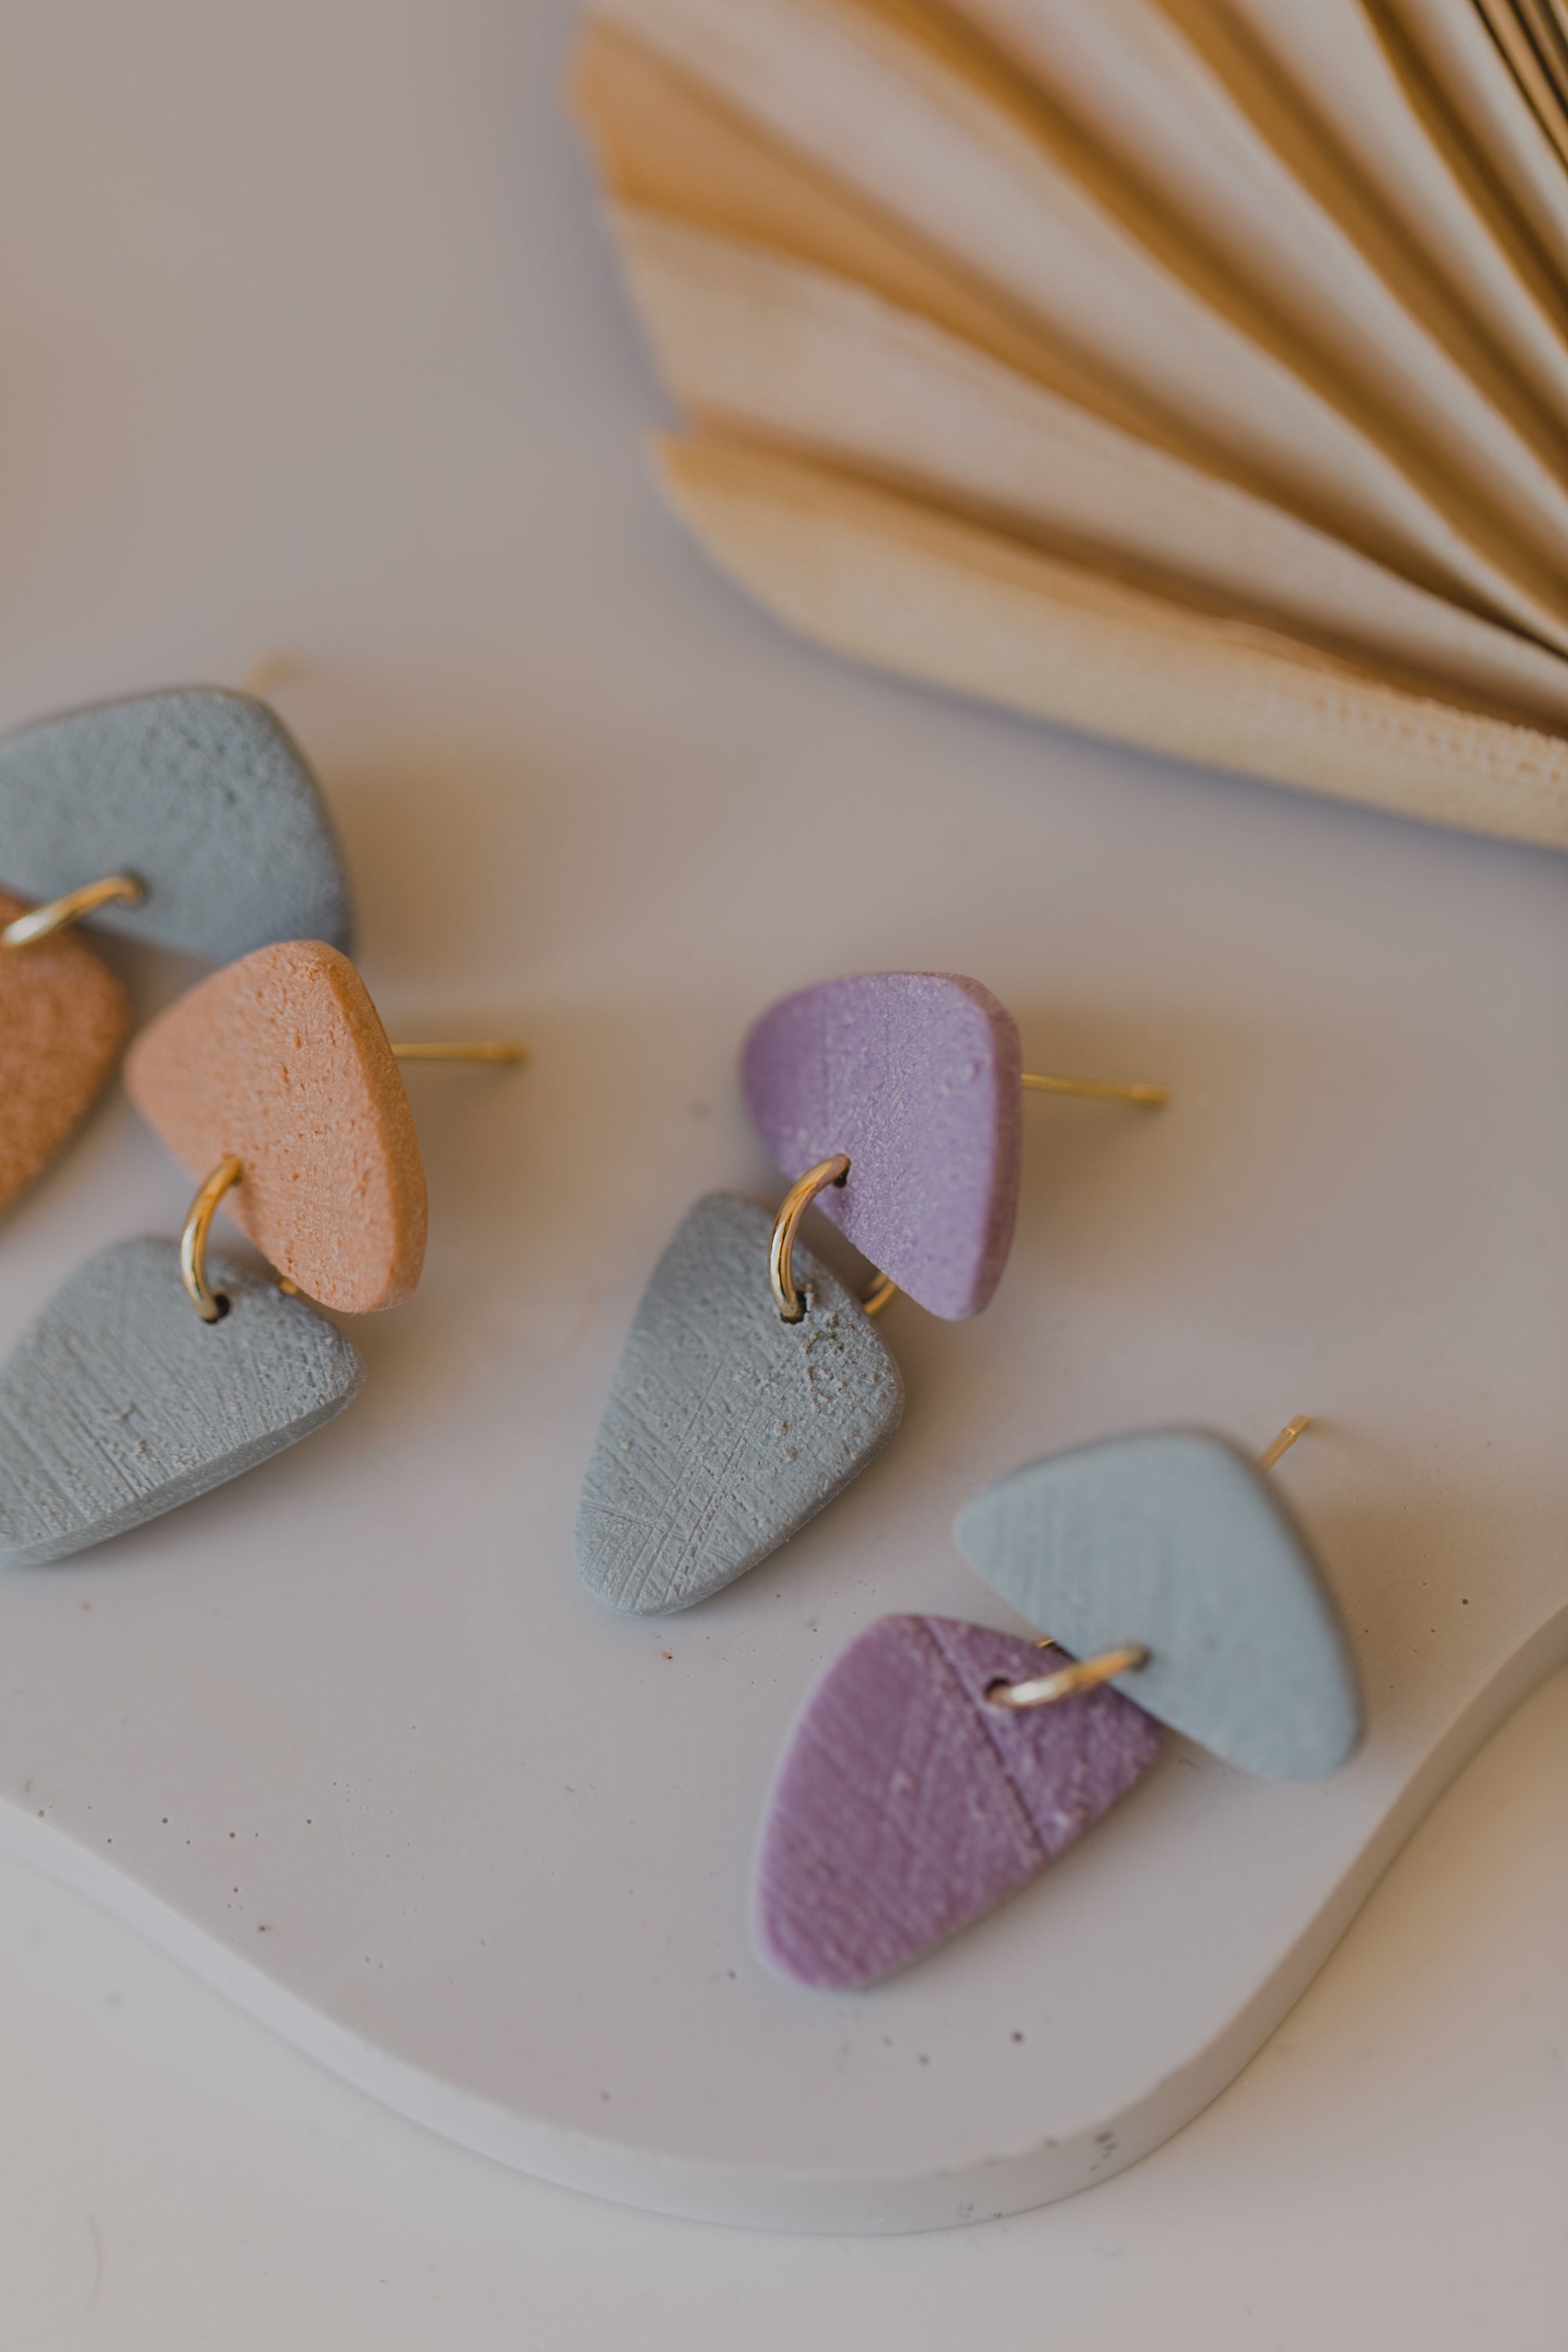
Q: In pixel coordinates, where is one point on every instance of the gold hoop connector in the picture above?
(781, 1242)
(877, 1297)
(1285, 1441)
(1081, 1674)
(193, 1240)
(489, 1049)
(41, 922)
(1097, 1089)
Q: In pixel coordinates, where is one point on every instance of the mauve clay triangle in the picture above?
(907, 1806)
(916, 1076)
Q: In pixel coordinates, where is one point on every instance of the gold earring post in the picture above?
(1096, 1089)
(193, 1239)
(42, 922)
(486, 1049)
(1286, 1438)
(266, 672)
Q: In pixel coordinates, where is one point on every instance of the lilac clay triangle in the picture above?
(907, 1806)
(916, 1076)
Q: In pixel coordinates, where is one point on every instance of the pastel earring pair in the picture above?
(188, 820)
(156, 1372)
(939, 1766)
(754, 1386)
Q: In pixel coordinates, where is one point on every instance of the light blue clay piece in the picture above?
(727, 1428)
(1179, 1541)
(202, 796)
(118, 1403)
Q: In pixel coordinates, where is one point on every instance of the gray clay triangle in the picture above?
(727, 1428)
(1177, 1541)
(201, 794)
(118, 1403)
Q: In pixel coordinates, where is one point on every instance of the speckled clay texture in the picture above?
(1178, 1540)
(203, 796)
(118, 1403)
(282, 1060)
(906, 1806)
(63, 1019)
(727, 1428)
(917, 1077)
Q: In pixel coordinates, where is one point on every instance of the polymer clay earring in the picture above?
(185, 819)
(935, 1768)
(64, 1017)
(747, 1399)
(156, 1373)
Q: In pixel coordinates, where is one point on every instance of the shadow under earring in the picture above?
(156, 1373)
(754, 1386)
(188, 820)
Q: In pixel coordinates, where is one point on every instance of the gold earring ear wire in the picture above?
(1087, 1673)
(72, 907)
(193, 1239)
(1097, 1089)
(483, 1049)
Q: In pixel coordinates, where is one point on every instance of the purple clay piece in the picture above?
(916, 1076)
(907, 1806)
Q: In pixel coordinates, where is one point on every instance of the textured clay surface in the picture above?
(203, 796)
(916, 1076)
(727, 1428)
(118, 1403)
(63, 1019)
(1178, 1540)
(282, 1060)
(906, 1806)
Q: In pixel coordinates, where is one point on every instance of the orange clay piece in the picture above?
(282, 1060)
(63, 1019)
